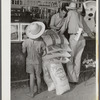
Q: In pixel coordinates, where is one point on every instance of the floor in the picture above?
(85, 90)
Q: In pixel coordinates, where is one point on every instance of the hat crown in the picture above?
(72, 5)
(35, 29)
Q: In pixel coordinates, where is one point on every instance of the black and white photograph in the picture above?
(56, 53)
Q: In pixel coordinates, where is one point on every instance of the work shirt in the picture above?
(34, 50)
(57, 21)
(73, 22)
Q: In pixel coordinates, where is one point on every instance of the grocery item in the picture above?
(47, 77)
(58, 76)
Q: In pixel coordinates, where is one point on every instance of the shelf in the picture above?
(36, 3)
(41, 19)
(20, 6)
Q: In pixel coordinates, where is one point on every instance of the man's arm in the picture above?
(43, 47)
(65, 25)
(52, 23)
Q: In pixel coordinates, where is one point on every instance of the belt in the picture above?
(72, 33)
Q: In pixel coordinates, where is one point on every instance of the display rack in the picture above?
(40, 10)
(41, 3)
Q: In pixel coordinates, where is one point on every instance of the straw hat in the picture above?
(35, 30)
(71, 6)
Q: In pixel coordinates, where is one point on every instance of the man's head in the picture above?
(63, 12)
(72, 6)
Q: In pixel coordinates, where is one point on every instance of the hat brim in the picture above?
(37, 35)
(71, 8)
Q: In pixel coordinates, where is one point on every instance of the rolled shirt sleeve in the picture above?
(65, 25)
(52, 22)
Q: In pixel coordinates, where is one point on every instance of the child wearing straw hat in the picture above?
(35, 48)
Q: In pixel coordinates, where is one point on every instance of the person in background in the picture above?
(73, 22)
(58, 19)
(35, 48)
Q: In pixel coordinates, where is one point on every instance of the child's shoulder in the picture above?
(39, 41)
(27, 41)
